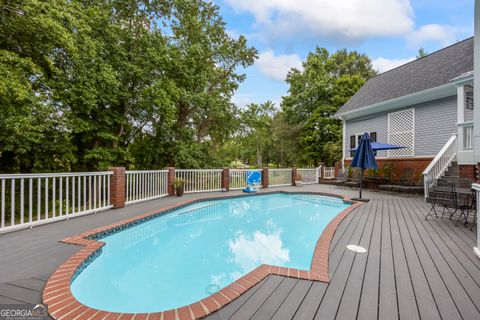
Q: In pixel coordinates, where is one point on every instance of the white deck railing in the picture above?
(328, 172)
(309, 176)
(33, 199)
(200, 180)
(279, 177)
(440, 163)
(143, 185)
(238, 178)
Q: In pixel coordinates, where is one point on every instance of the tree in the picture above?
(257, 129)
(90, 84)
(316, 93)
(421, 53)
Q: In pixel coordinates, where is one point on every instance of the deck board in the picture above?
(289, 306)
(414, 269)
(275, 300)
(407, 305)
(368, 305)
(351, 296)
(425, 302)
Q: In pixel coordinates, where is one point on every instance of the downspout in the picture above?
(344, 141)
(476, 109)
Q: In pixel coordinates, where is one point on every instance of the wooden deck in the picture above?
(414, 269)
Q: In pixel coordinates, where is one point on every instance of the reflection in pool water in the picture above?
(184, 256)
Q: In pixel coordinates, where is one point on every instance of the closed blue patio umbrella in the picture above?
(364, 159)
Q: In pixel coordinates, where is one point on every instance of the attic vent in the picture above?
(401, 131)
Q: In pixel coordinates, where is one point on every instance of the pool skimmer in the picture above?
(355, 248)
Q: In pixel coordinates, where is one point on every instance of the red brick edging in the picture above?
(63, 305)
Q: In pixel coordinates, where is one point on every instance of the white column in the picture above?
(460, 115)
(476, 88)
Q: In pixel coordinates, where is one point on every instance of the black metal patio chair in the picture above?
(441, 194)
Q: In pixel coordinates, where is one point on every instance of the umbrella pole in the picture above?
(361, 184)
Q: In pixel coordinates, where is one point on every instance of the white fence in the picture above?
(145, 185)
(200, 180)
(238, 178)
(279, 177)
(328, 172)
(33, 199)
(27, 200)
(308, 176)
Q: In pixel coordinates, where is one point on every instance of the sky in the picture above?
(389, 31)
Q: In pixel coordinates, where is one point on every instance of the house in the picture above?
(426, 106)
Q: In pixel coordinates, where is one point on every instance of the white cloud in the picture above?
(384, 64)
(355, 19)
(443, 34)
(242, 100)
(250, 252)
(276, 67)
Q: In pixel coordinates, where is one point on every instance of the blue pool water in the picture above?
(190, 253)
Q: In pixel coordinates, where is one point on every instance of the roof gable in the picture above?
(431, 71)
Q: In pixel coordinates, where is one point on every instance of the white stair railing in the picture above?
(440, 163)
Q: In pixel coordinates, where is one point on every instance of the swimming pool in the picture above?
(192, 252)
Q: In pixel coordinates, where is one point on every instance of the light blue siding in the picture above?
(435, 122)
(376, 123)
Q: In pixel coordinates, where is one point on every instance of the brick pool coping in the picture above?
(63, 305)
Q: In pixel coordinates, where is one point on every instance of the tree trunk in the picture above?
(259, 156)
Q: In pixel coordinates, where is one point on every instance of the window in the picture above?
(353, 145)
(355, 141)
(401, 131)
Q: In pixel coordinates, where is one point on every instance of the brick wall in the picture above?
(294, 175)
(117, 187)
(265, 178)
(226, 179)
(468, 172)
(400, 165)
(170, 178)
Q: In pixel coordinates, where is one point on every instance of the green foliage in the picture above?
(89, 84)
(316, 93)
(421, 53)
(178, 183)
(85, 85)
(388, 171)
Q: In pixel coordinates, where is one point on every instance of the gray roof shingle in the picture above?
(433, 70)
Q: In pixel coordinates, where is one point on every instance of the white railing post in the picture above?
(476, 187)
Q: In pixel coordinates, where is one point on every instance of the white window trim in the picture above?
(412, 131)
(357, 141)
